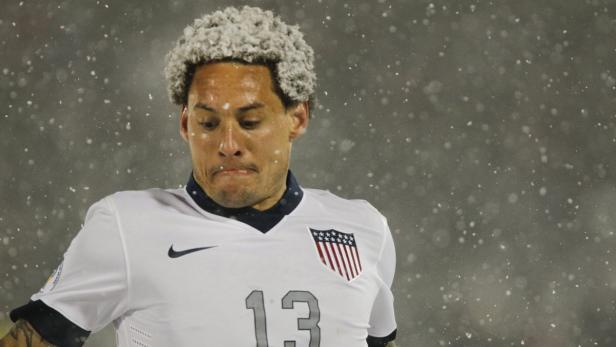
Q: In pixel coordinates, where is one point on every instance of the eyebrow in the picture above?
(204, 106)
(240, 110)
(249, 107)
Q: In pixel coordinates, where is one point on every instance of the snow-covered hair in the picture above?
(249, 35)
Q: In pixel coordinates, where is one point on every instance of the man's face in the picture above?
(240, 134)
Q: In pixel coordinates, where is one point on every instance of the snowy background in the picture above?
(484, 130)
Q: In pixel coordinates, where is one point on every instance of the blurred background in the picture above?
(483, 130)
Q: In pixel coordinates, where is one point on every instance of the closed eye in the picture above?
(209, 125)
(249, 124)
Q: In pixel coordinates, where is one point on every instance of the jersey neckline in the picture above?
(263, 221)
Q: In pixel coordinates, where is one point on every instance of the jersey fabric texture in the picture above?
(173, 267)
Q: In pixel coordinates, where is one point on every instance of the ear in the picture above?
(299, 120)
(184, 122)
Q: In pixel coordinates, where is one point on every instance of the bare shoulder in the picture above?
(22, 334)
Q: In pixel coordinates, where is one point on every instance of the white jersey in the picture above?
(168, 272)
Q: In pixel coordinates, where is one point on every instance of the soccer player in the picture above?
(243, 256)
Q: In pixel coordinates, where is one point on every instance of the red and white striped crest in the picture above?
(338, 251)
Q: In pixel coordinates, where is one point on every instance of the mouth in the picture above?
(233, 171)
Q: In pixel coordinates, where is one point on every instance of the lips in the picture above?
(233, 170)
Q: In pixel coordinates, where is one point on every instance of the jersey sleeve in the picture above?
(90, 286)
(382, 318)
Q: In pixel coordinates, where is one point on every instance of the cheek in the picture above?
(196, 135)
(200, 145)
(198, 140)
(278, 150)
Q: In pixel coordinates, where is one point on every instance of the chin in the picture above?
(237, 197)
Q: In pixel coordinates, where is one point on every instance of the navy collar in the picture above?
(261, 220)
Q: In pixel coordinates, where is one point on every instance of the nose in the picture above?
(229, 145)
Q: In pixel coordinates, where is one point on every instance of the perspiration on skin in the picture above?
(253, 75)
(240, 134)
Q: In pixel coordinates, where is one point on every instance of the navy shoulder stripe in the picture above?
(381, 341)
(50, 324)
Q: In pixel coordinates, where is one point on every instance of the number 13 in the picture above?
(255, 302)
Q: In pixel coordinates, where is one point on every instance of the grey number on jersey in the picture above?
(314, 315)
(255, 302)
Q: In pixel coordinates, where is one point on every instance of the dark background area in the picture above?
(483, 130)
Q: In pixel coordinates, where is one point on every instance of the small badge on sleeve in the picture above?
(53, 280)
(338, 252)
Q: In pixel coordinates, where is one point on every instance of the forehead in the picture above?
(232, 82)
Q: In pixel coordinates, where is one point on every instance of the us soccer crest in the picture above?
(338, 252)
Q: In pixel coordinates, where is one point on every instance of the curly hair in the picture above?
(249, 35)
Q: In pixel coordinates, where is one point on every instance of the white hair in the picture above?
(249, 34)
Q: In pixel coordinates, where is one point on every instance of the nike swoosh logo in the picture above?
(176, 254)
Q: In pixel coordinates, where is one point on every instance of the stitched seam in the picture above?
(384, 230)
(112, 206)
